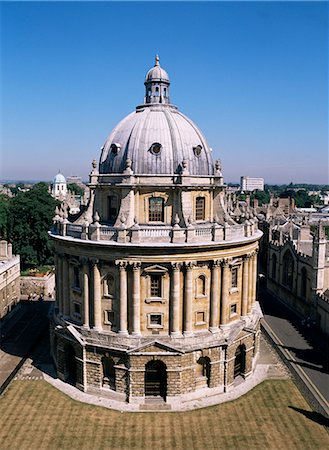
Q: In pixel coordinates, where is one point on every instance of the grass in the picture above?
(274, 415)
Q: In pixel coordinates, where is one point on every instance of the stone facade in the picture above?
(9, 278)
(298, 268)
(155, 280)
(44, 284)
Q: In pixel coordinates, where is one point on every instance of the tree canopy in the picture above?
(31, 216)
(75, 188)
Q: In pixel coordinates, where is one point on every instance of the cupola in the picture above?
(157, 84)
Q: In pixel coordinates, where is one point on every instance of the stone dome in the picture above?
(157, 138)
(157, 73)
(59, 178)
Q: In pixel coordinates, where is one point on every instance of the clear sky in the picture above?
(252, 75)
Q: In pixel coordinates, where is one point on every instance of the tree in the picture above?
(76, 189)
(4, 215)
(32, 214)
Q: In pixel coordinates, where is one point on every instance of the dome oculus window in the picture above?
(115, 148)
(156, 148)
(197, 150)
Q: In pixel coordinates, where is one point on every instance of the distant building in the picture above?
(252, 184)
(59, 187)
(76, 180)
(298, 267)
(9, 278)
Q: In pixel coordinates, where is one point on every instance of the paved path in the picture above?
(301, 346)
(19, 333)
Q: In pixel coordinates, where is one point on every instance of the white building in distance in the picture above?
(252, 184)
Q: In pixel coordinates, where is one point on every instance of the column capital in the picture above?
(190, 264)
(136, 265)
(217, 263)
(176, 265)
(122, 265)
(84, 260)
(226, 262)
(94, 261)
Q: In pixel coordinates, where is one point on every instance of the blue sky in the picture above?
(252, 75)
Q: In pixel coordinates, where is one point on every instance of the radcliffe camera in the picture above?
(177, 270)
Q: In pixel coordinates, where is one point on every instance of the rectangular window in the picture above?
(109, 317)
(156, 209)
(113, 208)
(233, 309)
(234, 277)
(76, 277)
(200, 208)
(77, 310)
(155, 320)
(200, 318)
(156, 286)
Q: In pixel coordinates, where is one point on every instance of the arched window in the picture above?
(203, 368)
(288, 269)
(157, 92)
(156, 209)
(108, 371)
(240, 361)
(200, 288)
(303, 290)
(108, 286)
(200, 203)
(274, 266)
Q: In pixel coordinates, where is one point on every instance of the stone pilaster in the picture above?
(123, 324)
(245, 286)
(188, 331)
(175, 313)
(136, 326)
(66, 287)
(97, 296)
(254, 278)
(215, 295)
(225, 292)
(250, 281)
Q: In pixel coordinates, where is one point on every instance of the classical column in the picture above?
(85, 294)
(136, 325)
(254, 278)
(250, 282)
(175, 300)
(225, 292)
(66, 288)
(214, 299)
(188, 298)
(245, 286)
(123, 325)
(97, 296)
(59, 282)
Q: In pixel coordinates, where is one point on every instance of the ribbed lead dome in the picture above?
(157, 138)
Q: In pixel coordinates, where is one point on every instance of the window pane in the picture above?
(156, 206)
(155, 285)
(200, 208)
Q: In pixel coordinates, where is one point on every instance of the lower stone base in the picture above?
(153, 369)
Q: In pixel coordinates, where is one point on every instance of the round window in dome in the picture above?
(156, 148)
(115, 148)
(197, 150)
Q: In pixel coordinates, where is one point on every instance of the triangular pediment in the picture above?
(155, 269)
(155, 347)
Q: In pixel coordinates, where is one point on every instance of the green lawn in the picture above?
(274, 415)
